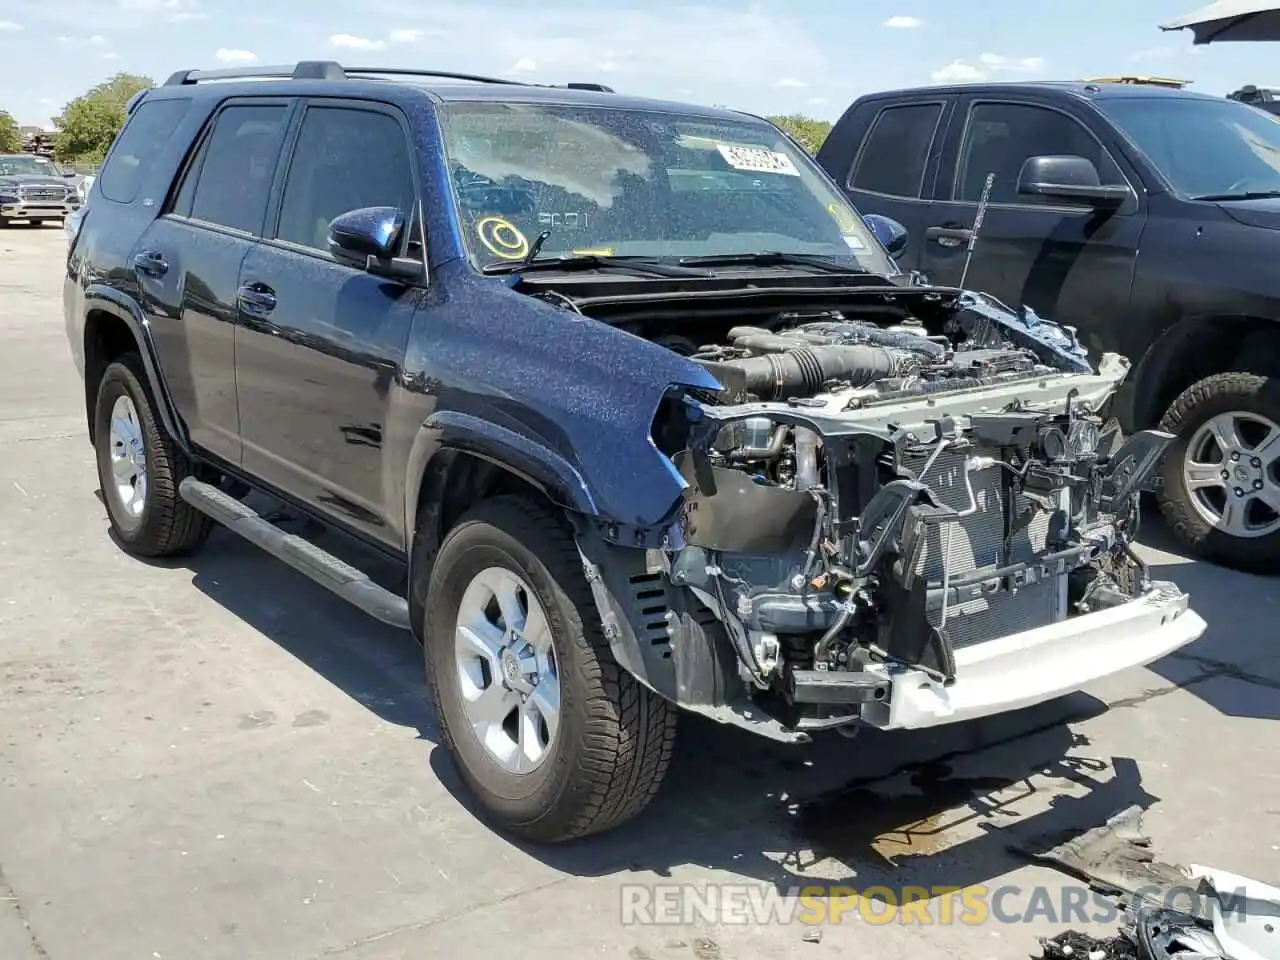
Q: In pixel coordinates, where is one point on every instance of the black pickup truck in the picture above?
(641, 412)
(1144, 217)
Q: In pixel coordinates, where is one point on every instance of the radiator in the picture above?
(982, 541)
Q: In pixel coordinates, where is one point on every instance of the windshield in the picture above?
(23, 166)
(640, 183)
(1203, 147)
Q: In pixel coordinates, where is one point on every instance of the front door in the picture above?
(1069, 263)
(320, 344)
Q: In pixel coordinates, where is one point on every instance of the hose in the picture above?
(802, 371)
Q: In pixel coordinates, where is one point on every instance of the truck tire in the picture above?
(140, 468)
(1221, 491)
(553, 738)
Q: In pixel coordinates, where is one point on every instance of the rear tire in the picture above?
(140, 468)
(613, 738)
(1221, 492)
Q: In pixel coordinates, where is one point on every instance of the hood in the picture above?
(1263, 213)
(35, 179)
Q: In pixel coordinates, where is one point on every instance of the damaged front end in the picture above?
(900, 521)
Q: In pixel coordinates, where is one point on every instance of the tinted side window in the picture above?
(140, 142)
(345, 159)
(234, 175)
(1002, 136)
(894, 157)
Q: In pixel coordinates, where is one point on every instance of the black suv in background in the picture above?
(1149, 219)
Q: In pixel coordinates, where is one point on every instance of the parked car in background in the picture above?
(1145, 216)
(35, 189)
(640, 408)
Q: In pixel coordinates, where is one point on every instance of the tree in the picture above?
(806, 131)
(89, 123)
(10, 134)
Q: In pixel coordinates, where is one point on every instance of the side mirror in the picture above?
(69, 174)
(369, 239)
(1073, 179)
(891, 234)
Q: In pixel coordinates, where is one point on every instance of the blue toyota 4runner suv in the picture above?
(645, 412)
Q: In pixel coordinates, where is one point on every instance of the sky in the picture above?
(813, 56)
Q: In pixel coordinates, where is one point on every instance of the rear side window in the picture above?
(896, 152)
(140, 143)
(230, 183)
(345, 159)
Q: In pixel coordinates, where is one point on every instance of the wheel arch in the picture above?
(458, 460)
(114, 326)
(1198, 347)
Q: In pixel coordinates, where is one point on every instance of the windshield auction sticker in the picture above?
(757, 159)
(502, 238)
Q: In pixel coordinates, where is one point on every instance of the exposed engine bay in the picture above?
(871, 498)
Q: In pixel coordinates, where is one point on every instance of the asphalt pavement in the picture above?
(217, 759)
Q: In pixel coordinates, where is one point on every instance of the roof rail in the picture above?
(331, 70)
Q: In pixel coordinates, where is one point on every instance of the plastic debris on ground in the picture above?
(1218, 916)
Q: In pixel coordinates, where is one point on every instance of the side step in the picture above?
(324, 568)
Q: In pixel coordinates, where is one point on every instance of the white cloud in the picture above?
(791, 82)
(659, 54)
(98, 40)
(407, 35)
(8, 26)
(903, 23)
(988, 66)
(109, 55)
(226, 55)
(348, 42)
(957, 71)
(524, 65)
(817, 101)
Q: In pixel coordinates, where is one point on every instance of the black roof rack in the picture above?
(331, 70)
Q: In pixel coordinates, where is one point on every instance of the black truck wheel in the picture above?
(549, 733)
(1221, 492)
(140, 468)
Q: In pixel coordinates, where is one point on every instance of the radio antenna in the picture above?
(977, 225)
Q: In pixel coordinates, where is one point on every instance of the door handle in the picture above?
(949, 236)
(151, 262)
(256, 298)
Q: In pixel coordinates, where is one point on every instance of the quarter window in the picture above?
(345, 159)
(1002, 136)
(140, 143)
(894, 158)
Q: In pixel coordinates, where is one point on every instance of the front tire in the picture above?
(553, 738)
(140, 468)
(1221, 492)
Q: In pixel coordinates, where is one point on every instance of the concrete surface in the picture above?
(219, 760)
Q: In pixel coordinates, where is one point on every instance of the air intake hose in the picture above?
(802, 372)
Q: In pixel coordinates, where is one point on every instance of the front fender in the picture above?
(103, 299)
(531, 460)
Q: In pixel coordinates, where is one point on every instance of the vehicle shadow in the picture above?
(920, 808)
(1235, 666)
(379, 667)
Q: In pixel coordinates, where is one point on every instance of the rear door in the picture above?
(320, 344)
(891, 170)
(1069, 262)
(188, 263)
